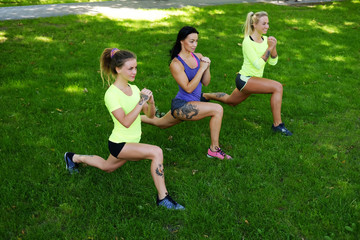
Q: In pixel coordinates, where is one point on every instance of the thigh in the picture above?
(237, 97)
(260, 85)
(115, 162)
(138, 151)
(193, 111)
(168, 120)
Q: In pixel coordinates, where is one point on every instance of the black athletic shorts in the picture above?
(241, 81)
(115, 148)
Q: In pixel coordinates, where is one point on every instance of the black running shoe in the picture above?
(169, 203)
(70, 165)
(202, 99)
(159, 114)
(282, 129)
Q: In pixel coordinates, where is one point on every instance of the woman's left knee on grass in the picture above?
(109, 168)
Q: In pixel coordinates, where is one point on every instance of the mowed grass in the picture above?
(302, 187)
(12, 3)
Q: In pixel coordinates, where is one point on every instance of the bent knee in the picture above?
(278, 87)
(163, 126)
(156, 153)
(232, 104)
(106, 167)
(109, 169)
(218, 109)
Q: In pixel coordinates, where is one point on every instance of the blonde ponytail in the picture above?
(251, 19)
(248, 24)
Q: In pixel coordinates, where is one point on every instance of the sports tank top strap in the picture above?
(190, 72)
(184, 63)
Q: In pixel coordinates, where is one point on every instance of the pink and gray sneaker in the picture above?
(218, 154)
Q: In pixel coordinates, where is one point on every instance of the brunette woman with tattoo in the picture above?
(191, 70)
(125, 102)
(257, 50)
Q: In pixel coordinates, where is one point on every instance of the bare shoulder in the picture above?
(176, 64)
(199, 55)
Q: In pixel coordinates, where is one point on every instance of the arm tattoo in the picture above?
(160, 170)
(143, 98)
(187, 111)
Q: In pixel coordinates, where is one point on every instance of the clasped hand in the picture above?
(147, 96)
(205, 61)
(272, 42)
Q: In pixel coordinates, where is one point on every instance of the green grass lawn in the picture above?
(11, 3)
(302, 187)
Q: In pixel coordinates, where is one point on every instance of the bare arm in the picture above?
(274, 52)
(271, 50)
(127, 119)
(206, 76)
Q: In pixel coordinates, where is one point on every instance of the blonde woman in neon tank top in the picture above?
(125, 102)
(257, 50)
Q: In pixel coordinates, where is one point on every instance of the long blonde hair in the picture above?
(251, 19)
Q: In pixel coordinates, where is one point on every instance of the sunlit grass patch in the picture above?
(74, 89)
(325, 27)
(3, 38)
(43, 39)
(136, 14)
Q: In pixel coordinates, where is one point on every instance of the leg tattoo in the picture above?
(220, 94)
(187, 111)
(160, 170)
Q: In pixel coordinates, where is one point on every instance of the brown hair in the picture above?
(112, 58)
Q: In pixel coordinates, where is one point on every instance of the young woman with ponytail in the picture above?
(191, 70)
(257, 50)
(125, 102)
